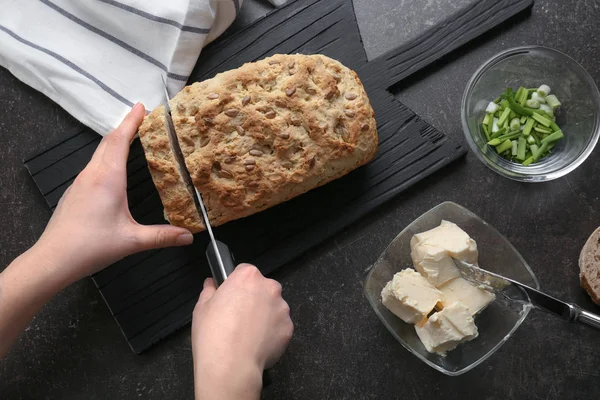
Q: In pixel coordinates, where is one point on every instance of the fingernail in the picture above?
(137, 106)
(184, 239)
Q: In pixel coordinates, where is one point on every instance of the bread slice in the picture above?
(266, 132)
(589, 266)
(180, 209)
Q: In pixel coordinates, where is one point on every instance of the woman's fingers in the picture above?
(147, 237)
(113, 150)
(207, 291)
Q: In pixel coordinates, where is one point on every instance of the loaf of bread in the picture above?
(178, 202)
(589, 266)
(259, 135)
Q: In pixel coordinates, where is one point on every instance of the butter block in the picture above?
(410, 296)
(432, 252)
(460, 290)
(446, 329)
(434, 264)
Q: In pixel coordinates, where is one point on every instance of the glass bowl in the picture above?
(531, 66)
(496, 323)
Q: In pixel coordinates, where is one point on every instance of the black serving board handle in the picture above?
(436, 42)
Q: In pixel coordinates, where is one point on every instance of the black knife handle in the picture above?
(228, 262)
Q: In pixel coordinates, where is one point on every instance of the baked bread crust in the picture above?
(589, 266)
(259, 135)
(180, 209)
(269, 131)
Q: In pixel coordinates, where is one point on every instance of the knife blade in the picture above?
(499, 284)
(219, 256)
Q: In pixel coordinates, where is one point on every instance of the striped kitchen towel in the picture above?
(96, 58)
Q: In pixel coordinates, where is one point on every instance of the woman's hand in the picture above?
(238, 330)
(92, 227)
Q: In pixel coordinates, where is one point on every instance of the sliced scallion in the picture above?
(515, 124)
(542, 120)
(521, 126)
(504, 117)
(552, 101)
(528, 126)
(532, 103)
(543, 90)
(492, 107)
(553, 137)
(521, 148)
(506, 145)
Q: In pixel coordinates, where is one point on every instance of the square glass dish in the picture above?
(496, 323)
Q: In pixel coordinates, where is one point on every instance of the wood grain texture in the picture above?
(152, 294)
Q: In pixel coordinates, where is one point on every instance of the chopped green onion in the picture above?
(536, 96)
(534, 148)
(541, 129)
(552, 101)
(504, 117)
(515, 125)
(528, 126)
(543, 90)
(498, 133)
(521, 147)
(531, 103)
(486, 119)
(539, 152)
(492, 107)
(519, 92)
(542, 120)
(521, 125)
(487, 133)
(553, 137)
(491, 125)
(522, 98)
(506, 145)
(510, 135)
(545, 108)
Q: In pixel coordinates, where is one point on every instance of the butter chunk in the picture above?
(446, 329)
(434, 263)
(460, 290)
(432, 252)
(410, 296)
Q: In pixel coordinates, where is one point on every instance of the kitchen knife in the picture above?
(219, 257)
(500, 284)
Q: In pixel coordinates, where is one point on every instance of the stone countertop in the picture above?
(340, 350)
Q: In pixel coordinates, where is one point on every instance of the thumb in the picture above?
(207, 291)
(158, 236)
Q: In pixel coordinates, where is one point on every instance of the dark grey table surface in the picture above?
(340, 350)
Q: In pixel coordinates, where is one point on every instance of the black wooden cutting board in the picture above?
(152, 294)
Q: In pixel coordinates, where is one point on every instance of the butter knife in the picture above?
(499, 284)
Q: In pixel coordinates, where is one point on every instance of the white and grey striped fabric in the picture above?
(96, 58)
